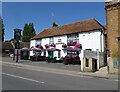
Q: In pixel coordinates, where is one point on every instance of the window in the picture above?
(51, 40)
(74, 37)
(38, 41)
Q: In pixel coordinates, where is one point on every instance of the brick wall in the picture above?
(119, 32)
(113, 27)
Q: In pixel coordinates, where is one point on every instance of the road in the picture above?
(15, 78)
(45, 64)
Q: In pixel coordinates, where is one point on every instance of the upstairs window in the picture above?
(51, 40)
(38, 42)
(74, 37)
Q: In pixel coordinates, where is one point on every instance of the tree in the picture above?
(28, 32)
(1, 29)
(32, 30)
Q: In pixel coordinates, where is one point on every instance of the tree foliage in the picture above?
(28, 32)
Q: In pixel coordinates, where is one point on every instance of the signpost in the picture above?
(17, 55)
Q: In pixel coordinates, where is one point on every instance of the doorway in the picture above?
(50, 55)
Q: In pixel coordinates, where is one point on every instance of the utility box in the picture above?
(89, 65)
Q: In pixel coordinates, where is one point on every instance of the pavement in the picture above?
(59, 68)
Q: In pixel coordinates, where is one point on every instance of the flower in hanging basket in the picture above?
(53, 45)
(78, 45)
(70, 43)
(41, 47)
(32, 47)
(37, 46)
(64, 45)
(74, 43)
(46, 46)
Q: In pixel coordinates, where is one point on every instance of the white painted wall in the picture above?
(59, 41)
(91, 40)
(32, 43)
(44, 41)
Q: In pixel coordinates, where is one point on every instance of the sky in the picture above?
(0, 8)
(43, 14)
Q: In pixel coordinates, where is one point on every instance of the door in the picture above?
(94, 62)
(50, 54)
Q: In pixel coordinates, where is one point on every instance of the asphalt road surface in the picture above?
(14, 78)
(69, 67)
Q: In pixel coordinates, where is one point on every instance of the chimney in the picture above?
(54, 24)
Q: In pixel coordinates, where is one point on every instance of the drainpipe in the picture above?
(101, 41)
(99, 56)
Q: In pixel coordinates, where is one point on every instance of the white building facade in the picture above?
(93, 40)
(90, 37)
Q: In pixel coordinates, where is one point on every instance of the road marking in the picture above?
(85, 76)
(22, 78)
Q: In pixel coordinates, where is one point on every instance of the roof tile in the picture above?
(82, 26)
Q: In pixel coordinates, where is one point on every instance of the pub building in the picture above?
(87, 34)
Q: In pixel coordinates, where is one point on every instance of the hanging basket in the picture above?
(53, 45)
(39, 46)
(78, 45)
(64, 45)
(46, 46)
